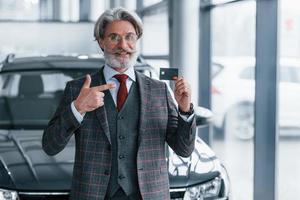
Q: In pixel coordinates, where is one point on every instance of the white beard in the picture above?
(111, 60)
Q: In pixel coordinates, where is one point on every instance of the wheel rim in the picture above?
(239, 123)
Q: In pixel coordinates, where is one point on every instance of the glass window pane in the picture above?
(220, 1)
(19, 10)
(150, 2)
(288, 102)
(156, 28)
(158, 63)
(248, 73)
(233, 89)
(42, 38)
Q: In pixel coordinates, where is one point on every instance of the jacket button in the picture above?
(121, 177)
(121, 156)
(121, 137)
(106, 172)
(120, 117)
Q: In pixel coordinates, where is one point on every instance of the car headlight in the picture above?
(205, 190)
(8, 195)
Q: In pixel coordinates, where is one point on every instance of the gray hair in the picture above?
(117, 14)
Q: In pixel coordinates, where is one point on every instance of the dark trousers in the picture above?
(120, 195)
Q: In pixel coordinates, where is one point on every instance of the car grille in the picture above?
(177, 194)
(43, 196)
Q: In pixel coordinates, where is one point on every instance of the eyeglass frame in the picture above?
(119, 38)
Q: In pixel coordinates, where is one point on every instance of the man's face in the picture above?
(119, 44)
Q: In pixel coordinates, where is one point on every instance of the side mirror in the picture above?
(203, 116)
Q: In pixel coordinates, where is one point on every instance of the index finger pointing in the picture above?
(107, 86)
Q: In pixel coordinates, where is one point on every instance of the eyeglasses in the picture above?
(115, 38)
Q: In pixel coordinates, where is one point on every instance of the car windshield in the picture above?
(29, 99)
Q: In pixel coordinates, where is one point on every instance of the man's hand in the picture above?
(182, 94)
(91, 98)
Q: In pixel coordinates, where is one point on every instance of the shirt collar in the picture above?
(109, 72)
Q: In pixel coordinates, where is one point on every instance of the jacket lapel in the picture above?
(145, 92)
(101, 111)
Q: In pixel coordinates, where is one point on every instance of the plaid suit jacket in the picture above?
(159, 123)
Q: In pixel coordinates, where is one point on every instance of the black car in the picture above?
(30, 90)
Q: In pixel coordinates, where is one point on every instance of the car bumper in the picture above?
(65, 196)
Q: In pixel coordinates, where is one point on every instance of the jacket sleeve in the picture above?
(62, 126)
(180, 134)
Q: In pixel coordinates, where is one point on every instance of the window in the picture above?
(232, 98)
(248, 73)
(150, 2)
(289, 104)
(19, 10)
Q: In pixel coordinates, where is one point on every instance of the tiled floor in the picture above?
(238, 158)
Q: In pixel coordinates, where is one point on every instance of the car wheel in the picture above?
(239, 122)
(218, 133)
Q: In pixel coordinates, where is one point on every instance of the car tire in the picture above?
(218, 133)
(239, 122)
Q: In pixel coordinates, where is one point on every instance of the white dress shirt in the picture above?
(108, 73)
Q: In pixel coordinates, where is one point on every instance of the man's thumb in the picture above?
(87, 81)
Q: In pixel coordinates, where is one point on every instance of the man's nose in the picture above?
(123, 43)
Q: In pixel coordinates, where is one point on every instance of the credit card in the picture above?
(168, 73)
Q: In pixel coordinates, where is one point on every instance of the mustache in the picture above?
(121, 50)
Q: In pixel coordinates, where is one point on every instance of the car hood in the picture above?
(25, 166)
(201, 166)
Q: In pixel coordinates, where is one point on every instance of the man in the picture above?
(121, 120)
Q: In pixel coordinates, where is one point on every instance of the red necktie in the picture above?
(122, 93)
